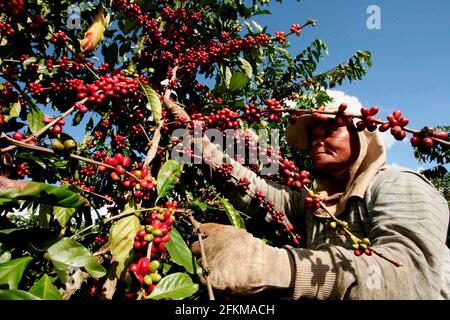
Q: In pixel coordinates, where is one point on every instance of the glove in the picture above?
(242, 264)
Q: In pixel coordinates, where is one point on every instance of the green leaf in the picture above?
(129, 26)
(180, 253)
(227, 78)
(45, 289)
(175, 286)
(111, 53)
(68, 253)
(5, 255)
(154, 104)
(11, 230)
(17, 295)
(257, 26)
(45, 215)
(40, 192)
(235, 218)
(11, 272)
(63, 215)
(247, 67)
(122, 239)
(168, 175)
(34, 118)
(14, 111)
(237, 81)
(201, 205)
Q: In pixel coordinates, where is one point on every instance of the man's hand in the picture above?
(242, 264)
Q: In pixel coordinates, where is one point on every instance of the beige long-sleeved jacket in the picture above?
(401, 212)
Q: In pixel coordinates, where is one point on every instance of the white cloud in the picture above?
(394, 165)
(353, 103)
(388, 140)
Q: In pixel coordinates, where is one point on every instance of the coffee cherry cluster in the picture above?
(273, 107)
(280, 36)
(251, 114)
(368, 119)
(106, 88)
(360, 246)
(291, 176)
(223, 119)
(312, 202)
(6, 29)
(244, 184)
(422, 140)
(225, 170)
(57, 127)
(278, 217)
(147, 273)
(59, 37)
(22, 170)
(66, 146)
(396, 124)
(296, 28)
(156, 231)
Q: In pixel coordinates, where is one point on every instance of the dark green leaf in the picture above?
(11, 230)
(17, 295)
(247, 67)
(122, 238)
(154, 104)
(237, 81)
(180, 253)
(234, 216)
(201, 205)
(41, 192)
(111, 54)
(5, 255)
(45, 215)
(68, 253)
(129, 26)
(227, 77)
(11, 272)
(175, 286)
(168, 175)
(14, 112)
(63, 215)
(45, 289)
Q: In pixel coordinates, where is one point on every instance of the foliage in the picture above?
(84, 122)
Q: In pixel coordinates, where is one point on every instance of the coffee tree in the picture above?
(87, 146)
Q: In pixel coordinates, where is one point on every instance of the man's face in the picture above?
(333, 149)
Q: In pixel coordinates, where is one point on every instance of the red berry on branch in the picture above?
(56, 129)
(384, 127)
(397, 114)
(415, 141)
(365, 112)
(403, 122)
(441, 135)
(17, 135)
(427, 142)
(373, 111)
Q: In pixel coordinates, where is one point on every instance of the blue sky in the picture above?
(410, 53)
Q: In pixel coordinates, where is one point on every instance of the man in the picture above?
(399, 210)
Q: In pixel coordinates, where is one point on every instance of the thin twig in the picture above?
(71, 155)
(352, 236)
(204, 262)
